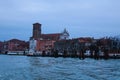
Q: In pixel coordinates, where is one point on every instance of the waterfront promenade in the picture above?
(56, 54)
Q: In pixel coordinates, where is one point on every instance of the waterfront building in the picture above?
(15, 45)
(64, 35)
(5, 47)
(1, 46)
(37, 35)
(44, 45)
(32, 45)
(45, 41)
(73, 44)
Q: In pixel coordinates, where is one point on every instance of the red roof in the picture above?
(85, 39)
(54, 36)
(37, 23)
(15, 40)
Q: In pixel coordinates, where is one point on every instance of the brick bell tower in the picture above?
(36, 30)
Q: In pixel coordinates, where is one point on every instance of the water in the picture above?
(46, 68)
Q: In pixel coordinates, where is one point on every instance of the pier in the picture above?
(75, 54)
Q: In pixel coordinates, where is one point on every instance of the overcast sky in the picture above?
(82, 18)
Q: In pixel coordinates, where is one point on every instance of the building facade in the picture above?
(73, 44)
(45, 45)
(1, 47)
(14, 45)
(45, 41)
(32, 45)
(64, 35)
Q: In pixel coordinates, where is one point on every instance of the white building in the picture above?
(64, 35)
(32, 45)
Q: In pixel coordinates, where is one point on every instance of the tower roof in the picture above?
(65, 31)
(37, 23)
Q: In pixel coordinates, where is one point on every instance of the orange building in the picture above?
(17, 45)
(44, 45)
(40, 42)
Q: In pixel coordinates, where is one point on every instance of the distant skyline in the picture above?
(81, 18)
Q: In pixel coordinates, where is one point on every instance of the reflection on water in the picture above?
(46, 68)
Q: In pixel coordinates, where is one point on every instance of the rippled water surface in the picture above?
(46, 68)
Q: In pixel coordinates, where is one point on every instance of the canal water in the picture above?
(46, 68)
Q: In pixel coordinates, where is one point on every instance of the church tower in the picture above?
(36, 30)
